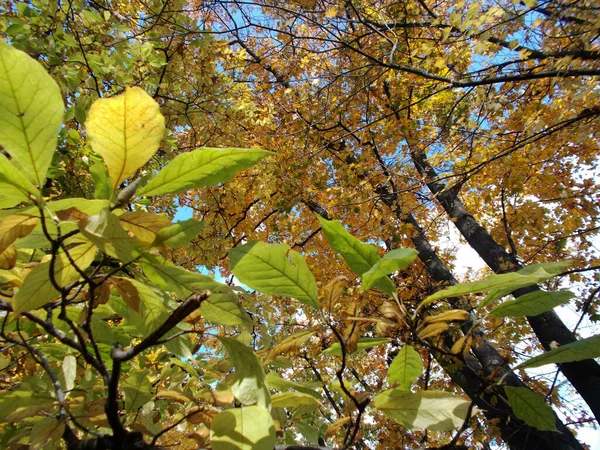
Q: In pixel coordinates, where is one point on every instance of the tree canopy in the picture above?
(234, 224)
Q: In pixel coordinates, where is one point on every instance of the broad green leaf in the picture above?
(46, 433)
(292, 400)
(137, 389)
(500, 285)
(274, 381)
(201, 167)
(10, 401)
(178, 280)
(31, 112)
(145, 226)
(248, 428)
(363, 344)
(405, 368)
(575, 351)
(99, 173)
(13, 184)
(249, 382)
(426, 410)
(152, 307)
(126, 131)
(224, 309)
(529, 407)
(274, 269)
(105, 230)
(69, 369)
(531, 304)
(391, 262)
(359, 257)
(179, 234)
(37, 288)
(14, 227)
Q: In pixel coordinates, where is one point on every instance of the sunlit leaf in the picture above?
(529, 407)
(145, 226)
(531, 304)
(575, 351)
(201, 167)
(176, 279)
(292, 400)
(14, 227)
(179, 234)
(406, 367)
(391, 262)
(359, 257)
(276, 382)
(105, 230)
(426, 410)
(224, 309)
(31, 112)
(126, 131)
(248, 428)
(291, 342)
(363, 344)
(249, 383)
(274, 269)
(14, 186)
(37, 288)
(69, 369)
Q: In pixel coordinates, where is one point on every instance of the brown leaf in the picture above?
(333, 291)
(128, 292)
(433, 329)
(71, 215)
(8, 258)
(447, 316)
(14, 227)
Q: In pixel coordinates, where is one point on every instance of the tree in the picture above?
(134, 343)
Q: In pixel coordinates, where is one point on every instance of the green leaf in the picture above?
(224, 309)
(178, 280)
(152, 307)
(274, 269)
(99, 173)
(37, 288)
(10, 401)
(249, 428)
(426, 410)
(201, 167)
(363, 344)
(531, 304)
(106, 232)
(529, 407)
(126, 130)
(249, 382)
(405, 368)
(392, 262)
(500, 285)
(179, 234)
(69, 369)
(137, 389)
(274, 381)
(292, 400)
(14, 185)
(359, 257)
(31, 112)
(575, 351)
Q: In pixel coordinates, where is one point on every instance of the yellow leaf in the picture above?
(335, 426)
(126, 131)
(447, 316)
(291, 342)
(331, 12)
(8, 258)
(462, 345)
(173, 396)
(333, 291)
(14, 227)
(145, 226)
(433, 330)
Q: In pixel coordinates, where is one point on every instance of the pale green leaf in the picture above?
(248, 428)
(363, 344)
(14, 185)
(500, 285)
(249, 382)
(179, 234)
(391, 262)
(274, 381)
(137, 389)
(292, 400)
(274, 269)
(575, 351)
(529, 407)
(406, 367)
(31, 112)
(126, 130)
(152, 307)
(106, 232)
(178, 280)
(224, 309)
(37, 288)
(10, 401)
(69, 368)
(531, 304)
(426, 410)
(201, 167)
(360, 257)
